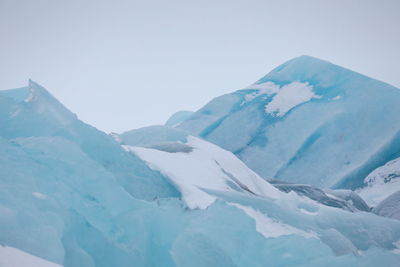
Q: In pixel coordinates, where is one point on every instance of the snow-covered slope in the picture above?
(204, 166)
(381, 183)
(307, 121)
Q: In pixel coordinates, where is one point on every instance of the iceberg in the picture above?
(33, 112)
(306, 122)
(71, 195)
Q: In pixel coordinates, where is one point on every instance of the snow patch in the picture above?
(266, 88)
(188, 173)
(12, 257)
(290, 96)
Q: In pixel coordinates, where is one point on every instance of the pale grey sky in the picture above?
(122, 64)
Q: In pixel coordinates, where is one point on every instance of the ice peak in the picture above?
(308, 69)
(30, 93)
(302, 63)
(37, 90)
(307, 58)
(45, 102)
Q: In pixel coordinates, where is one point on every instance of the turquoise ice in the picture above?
(75, 196)
(33, 112)
(307, 121)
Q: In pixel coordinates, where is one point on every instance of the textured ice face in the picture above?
(315, 133)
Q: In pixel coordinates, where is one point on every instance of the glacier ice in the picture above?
(43, 115)
(71, 195)
(321, 134)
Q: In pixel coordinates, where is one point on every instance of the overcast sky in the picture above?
(122, 64)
